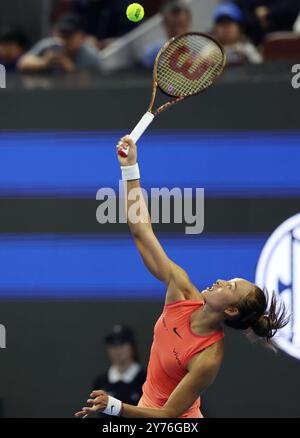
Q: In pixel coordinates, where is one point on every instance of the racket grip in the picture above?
(139, 130)
(141, 127)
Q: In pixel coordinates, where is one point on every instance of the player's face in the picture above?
(228, 32)
(224, 294)
(120, 354)
(177, 24)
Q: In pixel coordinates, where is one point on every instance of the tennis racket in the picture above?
(185, 66)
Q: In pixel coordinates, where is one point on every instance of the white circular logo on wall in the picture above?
(278, 270)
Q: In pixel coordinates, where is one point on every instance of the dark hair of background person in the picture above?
(69, 23)
(122, 334)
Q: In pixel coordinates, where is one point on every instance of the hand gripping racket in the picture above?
(185, 66)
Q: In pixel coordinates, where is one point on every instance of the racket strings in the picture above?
(189, 65)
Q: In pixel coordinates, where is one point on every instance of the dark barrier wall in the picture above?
(260, 97)
(54, 347)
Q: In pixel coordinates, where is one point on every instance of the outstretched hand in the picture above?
(98, 402)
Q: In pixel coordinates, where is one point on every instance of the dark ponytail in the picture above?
(256, 319)
(268, 324)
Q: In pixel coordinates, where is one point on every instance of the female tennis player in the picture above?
(188, 343)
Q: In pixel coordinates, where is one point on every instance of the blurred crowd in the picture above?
(80, 30)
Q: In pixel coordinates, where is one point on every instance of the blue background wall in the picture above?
(224, 163)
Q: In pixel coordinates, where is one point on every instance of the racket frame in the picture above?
(177, 99)
(150, 114)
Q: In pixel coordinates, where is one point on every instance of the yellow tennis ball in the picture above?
(135, 12)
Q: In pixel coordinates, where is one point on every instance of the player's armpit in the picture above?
(180, 286)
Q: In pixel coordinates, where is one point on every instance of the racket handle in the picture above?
(141, 127)
(139, 130)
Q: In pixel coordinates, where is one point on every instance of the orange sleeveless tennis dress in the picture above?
(174, 345)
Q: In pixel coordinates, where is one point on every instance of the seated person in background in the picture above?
(228, 30)
(177, 19)
(12, 46)
(264, 16)
(125, 377)
(105, 20)
(67, 51)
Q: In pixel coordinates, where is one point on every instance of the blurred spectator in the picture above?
(125, 377)
(105, 20)
(12, 46)
(177, 20)
(228, 29)
(264, 16)
(67, 51)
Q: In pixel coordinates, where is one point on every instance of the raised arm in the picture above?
(152, 253)
(202, 372)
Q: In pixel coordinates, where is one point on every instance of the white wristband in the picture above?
(130, 173)
(114, 407)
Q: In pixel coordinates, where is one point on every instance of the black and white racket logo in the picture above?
(278, 270)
